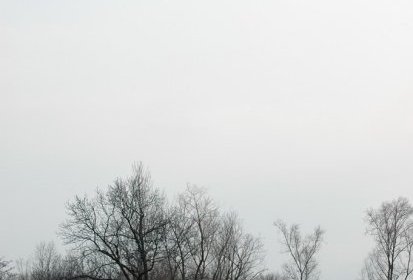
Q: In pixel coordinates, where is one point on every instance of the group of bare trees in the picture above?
(45, 264)
(130, 232)
(390, 225)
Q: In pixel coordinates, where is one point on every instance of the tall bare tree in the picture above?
(391, 226)
(302, 250)
(119, 231)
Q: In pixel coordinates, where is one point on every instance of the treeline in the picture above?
(130, 231)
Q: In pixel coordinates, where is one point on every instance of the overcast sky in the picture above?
(292, 109)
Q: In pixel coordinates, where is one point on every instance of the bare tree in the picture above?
(406, 259)
(47, 263)
(391, 226)
(194, 231)
(120, 231)
(178, 240)
(203, 243)
(302, 250)
(236, 255)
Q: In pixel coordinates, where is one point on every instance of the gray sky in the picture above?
(293, 109)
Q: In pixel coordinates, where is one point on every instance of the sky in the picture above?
(284, 109)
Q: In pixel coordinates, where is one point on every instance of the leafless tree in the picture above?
(391, 226)
(194, 226)
(302, 250)
(178, 240)
(236, 255)
(406, 259)
(47, 263)
(203, 243)
(120, 231)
